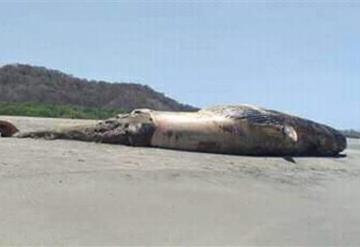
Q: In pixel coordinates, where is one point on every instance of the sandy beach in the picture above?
(76, 193)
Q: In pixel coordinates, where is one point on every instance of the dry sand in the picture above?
(76, 193)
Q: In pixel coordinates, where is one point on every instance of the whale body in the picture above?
(236, 129)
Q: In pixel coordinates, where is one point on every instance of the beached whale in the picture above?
(241, 129)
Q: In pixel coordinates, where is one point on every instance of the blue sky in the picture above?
(299, 57)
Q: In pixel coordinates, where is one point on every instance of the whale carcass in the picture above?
(241, 129)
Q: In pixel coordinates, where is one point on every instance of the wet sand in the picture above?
(76, 193)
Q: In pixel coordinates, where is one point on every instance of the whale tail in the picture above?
(90, 133)
(46, 134)
(81, 133)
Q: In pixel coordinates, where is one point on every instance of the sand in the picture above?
(76, 193)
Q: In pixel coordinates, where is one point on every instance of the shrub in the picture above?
(56, 111)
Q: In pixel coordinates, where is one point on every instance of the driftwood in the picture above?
(7, 129)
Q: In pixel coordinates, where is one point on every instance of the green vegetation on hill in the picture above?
(56, 111)
(26, 83)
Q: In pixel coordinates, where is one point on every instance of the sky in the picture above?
(300, 57)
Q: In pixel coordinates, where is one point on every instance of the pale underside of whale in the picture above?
(242, 129)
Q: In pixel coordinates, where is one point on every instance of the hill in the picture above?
(21, 83)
